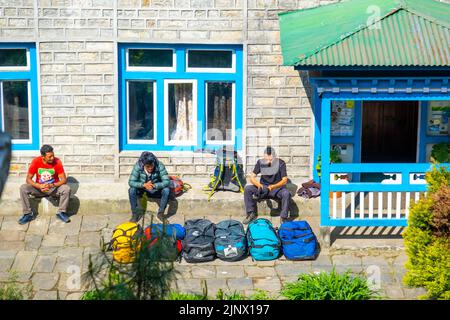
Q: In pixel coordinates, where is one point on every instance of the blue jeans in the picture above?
(136, 194)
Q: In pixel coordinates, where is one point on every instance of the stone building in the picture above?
(75, 64)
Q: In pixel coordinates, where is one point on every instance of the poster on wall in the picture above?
(438, 115)
(342, 118)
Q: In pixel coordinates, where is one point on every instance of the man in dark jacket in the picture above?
(271, 185)
(149, 176)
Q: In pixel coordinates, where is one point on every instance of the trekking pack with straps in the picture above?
(198, 244)
(263, 241)
(177, 186)
(298, 241)
(170, 236)
(126, 241)
(228, 174)
(230, 241)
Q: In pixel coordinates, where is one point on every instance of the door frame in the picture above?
(420, 105)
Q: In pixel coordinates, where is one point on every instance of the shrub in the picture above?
(427, 238)
(12, 290)
(185, 296)
(328, 286)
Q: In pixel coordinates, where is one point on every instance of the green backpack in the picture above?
(228, 174)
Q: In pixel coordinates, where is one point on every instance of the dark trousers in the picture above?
(280, 194)
(136, 194)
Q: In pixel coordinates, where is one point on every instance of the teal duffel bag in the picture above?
(263, 241)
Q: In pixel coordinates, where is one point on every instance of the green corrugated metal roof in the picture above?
(411, 33)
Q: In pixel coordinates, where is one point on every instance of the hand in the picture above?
(44, 188)
(259, 186)
(149, 185)
(271, 187)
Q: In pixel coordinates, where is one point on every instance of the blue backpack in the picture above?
(263, 241)
(298, 241)
(230, 241)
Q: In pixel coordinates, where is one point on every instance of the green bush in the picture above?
(221, 295)
(328, 286)
(427, 238)
(12, 290)
(186, 296)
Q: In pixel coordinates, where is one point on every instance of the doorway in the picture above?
(389, 131)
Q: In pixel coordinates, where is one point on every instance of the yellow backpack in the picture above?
(124, 242)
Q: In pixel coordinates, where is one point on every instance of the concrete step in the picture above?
(97, 198)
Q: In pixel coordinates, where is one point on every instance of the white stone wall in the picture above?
(77, 52)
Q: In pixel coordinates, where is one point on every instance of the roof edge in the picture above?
(343, 37)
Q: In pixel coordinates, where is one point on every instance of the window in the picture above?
(179, 97)
(14, 59)
(219, 112)
(180, 115)
(18, 95)
(210, 61)
(151, 60)
(15, 109)
(141, 112)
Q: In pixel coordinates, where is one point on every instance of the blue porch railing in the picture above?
(385, 203)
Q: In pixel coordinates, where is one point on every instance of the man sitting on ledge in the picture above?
(50, 182)
(149, 175)
(271, 185)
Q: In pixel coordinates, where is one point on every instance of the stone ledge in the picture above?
(89, 198)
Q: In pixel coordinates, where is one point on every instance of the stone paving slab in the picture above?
(46, 252)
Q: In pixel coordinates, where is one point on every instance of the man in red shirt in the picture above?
(50, 182)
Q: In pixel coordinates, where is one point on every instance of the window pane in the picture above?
(181, 112)
(141, 110)
(13, 57)
(220, 111)
(150, 58)
(210, 59)
(15, 109)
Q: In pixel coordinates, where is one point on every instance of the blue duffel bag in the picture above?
(171, 229)
(298, 241)
(263, 241)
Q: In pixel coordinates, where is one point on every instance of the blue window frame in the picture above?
(19, 111)
(157, 83)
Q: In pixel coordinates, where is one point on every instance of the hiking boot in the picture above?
(160, 216)
(249, 218)
(63, 217)
(135, 218)
(27, 217)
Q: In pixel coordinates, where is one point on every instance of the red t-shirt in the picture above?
(45, 172)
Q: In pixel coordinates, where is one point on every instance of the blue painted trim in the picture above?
(325, 155)
(424, 138)
(377, 187)
(31, 76)
(317, 133)
(201, 78)
(380, 167)
(405, 169)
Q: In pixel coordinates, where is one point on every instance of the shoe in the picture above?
(249, 218)
(160, 216)
(63, 217)
(135, 218)
(27, 217)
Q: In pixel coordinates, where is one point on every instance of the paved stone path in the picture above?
(48, 253)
